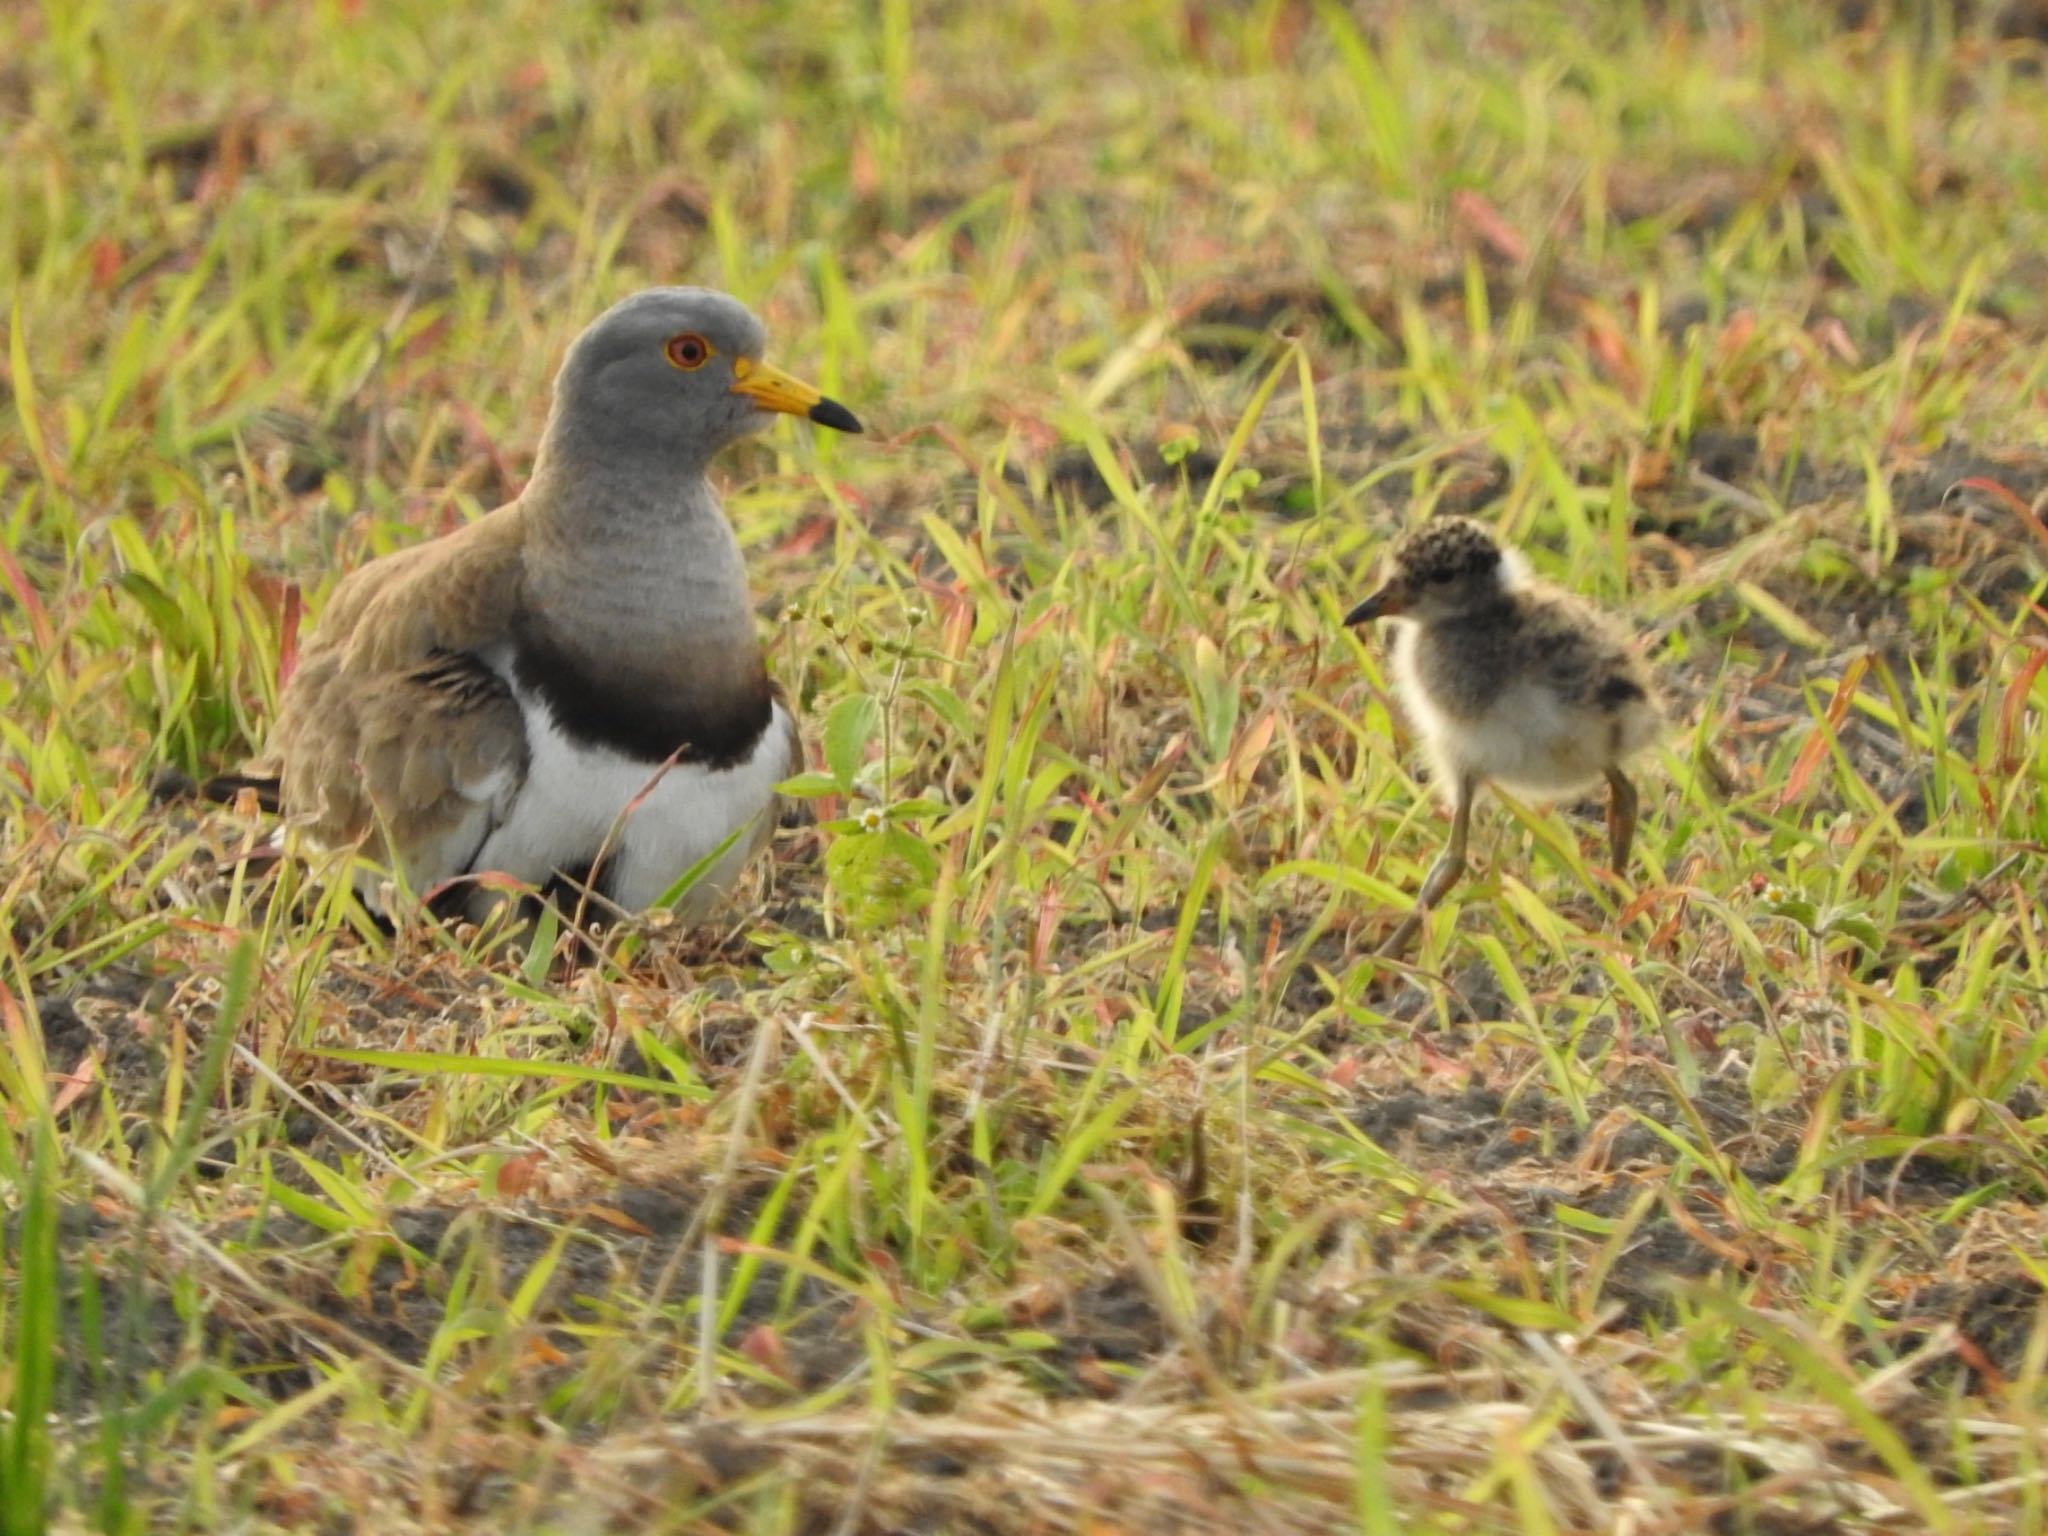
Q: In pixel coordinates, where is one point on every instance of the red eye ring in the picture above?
(688, 351)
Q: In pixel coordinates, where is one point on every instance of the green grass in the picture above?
(1043, 1151)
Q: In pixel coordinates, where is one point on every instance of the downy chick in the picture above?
(1508, 680)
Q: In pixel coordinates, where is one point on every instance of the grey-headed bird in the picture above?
(501, 699)
(1508, 680)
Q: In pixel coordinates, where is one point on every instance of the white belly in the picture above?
(1531, 742)
(575, 795)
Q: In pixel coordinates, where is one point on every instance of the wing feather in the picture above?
(395, 733)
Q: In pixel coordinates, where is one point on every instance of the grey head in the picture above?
(1449, 568)
(670, 376)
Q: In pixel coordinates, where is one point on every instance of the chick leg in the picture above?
(1621, 818)
(1443, 874)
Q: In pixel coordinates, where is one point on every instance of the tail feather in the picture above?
(222, 789)
(225, 788)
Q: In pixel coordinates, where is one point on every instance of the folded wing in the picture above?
(395, 734)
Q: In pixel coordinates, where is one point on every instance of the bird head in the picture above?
(1447, 567)
(679, 372)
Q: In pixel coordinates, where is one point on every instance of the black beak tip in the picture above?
(830, 413)
(1364, 613)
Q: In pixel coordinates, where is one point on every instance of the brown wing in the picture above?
(394, 732)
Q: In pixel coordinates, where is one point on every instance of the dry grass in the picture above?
(1055, 1158)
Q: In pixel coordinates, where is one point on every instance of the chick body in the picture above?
(1540, 694)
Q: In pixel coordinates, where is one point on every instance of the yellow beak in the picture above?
(773, 390)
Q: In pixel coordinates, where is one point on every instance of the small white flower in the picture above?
(871, 818)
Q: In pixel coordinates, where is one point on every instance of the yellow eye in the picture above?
(688, 351)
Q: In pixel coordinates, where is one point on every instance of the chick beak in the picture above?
(773, 390)
(1383, 604)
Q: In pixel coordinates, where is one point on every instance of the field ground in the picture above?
(1052, 1157)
